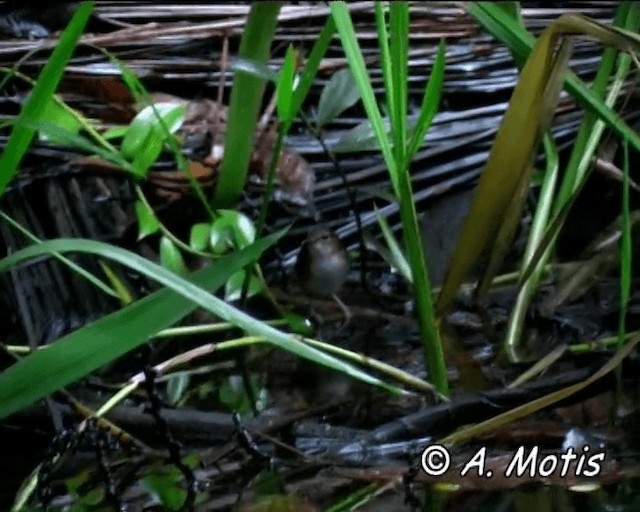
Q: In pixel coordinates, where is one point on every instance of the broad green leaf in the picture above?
(148, 153)
(60, 117)
(142, 97)
(337, 96)
(115, 132)
(171, 257)
(145, 123)
(360, 138)
(199, 237)
(165, 483)
(177, 385)
(233, 394)
(148, 223)
(231, 229)
(221, 238)
(136, 135)
(233, 287)
(298, 324)
(244, 230)
(92, 499)
(145, 137)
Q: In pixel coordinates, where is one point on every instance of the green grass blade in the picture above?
(511, 9)
(81, 352)
(76, 354)
(244, 106)
(626, 247)
(591, 128)
(310, 71)
(538, 226)
(522, 411)
(65, 261)
(77, 140)
(395, 256)
(397, 161)
(430, 101)
(284, 89)
(380, 10)
(35, 107)
(588, 137)
(520, 42)
(345, 28)
(399, 52)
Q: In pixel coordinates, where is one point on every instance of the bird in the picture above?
(322, 266)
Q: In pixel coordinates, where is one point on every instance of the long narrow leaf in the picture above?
(507, 167)
(511, 216)
(313, 63)
(35, 108)
(520, 42)
(345, 28)
(517, 140)
(522, 411)
(82, 351)
(540, 220)
(430, 101)
(65, 261)
(284, 89)
(380, 9)
(399, 52)
(244, 105)
(396, 158)
(588, 138)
